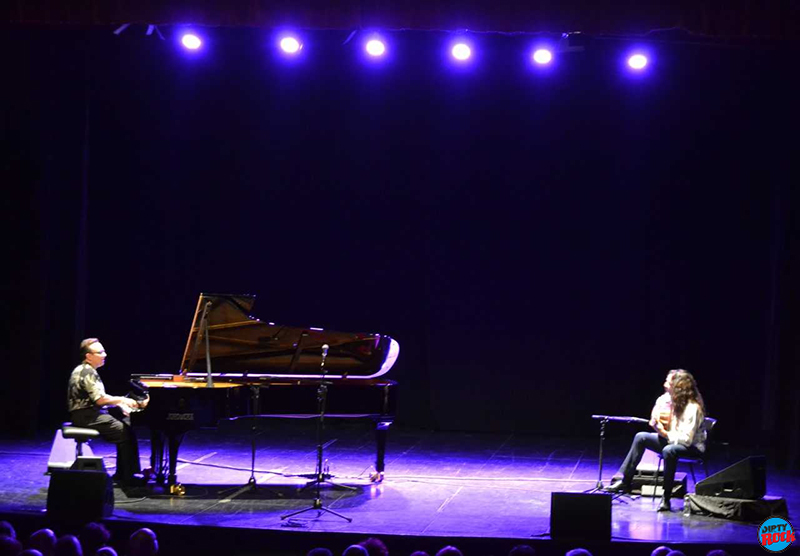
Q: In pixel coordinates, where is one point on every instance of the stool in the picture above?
(65, 451)
(79, 434)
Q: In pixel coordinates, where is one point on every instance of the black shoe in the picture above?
(619, 487)
(664, 506)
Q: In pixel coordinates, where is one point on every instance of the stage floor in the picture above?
(437, 484)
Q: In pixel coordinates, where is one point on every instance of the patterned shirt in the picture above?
(85, 388)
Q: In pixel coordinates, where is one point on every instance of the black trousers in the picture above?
(116, 430)
(657, 443)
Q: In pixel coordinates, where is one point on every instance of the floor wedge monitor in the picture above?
(746, 480)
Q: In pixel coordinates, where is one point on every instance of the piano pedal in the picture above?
(376, 477)
(177, 489)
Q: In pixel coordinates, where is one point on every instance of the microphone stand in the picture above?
(599, 486)
(320, 475)
(604, 419)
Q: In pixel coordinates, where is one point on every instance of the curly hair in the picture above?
(684, 390)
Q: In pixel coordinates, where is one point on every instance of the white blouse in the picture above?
(688, 430)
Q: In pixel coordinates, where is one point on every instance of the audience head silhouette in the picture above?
(43, 540)
(9, 546)
(6, 529)
(449, 551)
(579, 552)
(522, 550)
(375, 547)
(93, 537)
(355, 550)
(143, 543)
(68, 545)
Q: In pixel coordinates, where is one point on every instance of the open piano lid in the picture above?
(240, 343)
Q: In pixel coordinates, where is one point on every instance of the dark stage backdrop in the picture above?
(544, 246)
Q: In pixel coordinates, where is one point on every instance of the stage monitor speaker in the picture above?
(745, 480)
(89, 463)
(575, 515)
(80, 496)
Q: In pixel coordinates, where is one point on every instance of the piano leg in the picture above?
(381, 432)
(174, 444)
(172, 479)
(157, 455)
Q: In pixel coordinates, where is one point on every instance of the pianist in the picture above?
(88, 405)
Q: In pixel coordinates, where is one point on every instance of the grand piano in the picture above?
(235, 365)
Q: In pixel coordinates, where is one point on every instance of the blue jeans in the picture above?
(670, 453)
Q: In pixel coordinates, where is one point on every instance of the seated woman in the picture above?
(680, 434)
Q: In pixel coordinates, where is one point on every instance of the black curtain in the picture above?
(543, 245)
(733, 19)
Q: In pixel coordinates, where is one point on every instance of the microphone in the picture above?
(324, 355)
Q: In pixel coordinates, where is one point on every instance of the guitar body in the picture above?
(664, 417)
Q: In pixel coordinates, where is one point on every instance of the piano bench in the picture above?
(79, 434)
